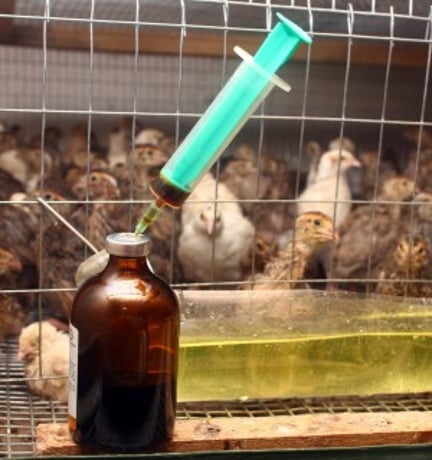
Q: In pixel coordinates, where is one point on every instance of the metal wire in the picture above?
(16, 426)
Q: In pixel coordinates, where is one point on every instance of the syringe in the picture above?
(229, 111)
(237, 100)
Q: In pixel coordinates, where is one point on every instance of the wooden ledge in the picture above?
(278, 432)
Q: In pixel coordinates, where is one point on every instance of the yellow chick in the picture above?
(44, 348)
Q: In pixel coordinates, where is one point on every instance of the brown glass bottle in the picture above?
(124, 351)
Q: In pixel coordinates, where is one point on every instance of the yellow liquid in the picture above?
(316, 365)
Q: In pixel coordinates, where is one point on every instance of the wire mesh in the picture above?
(373, 104)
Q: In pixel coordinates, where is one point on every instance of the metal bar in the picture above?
(67, 224)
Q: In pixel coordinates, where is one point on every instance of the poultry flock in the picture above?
(243, 226)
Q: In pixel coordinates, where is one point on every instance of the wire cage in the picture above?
(85, 71)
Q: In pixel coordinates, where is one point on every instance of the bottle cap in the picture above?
(127, 244)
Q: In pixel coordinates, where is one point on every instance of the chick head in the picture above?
(411, 253)
(337, 158)
(100, 184)
(33, 338)
(424, 208)
(399, 188)
(148, 155)
(209, 220)
(315, 228)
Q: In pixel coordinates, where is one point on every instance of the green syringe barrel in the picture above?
(237, 100)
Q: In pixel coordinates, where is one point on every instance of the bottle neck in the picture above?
(128, 263)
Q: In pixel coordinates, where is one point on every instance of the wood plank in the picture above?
(278, 432)
(208, 44)
(6, 24)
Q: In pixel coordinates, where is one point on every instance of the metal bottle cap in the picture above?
(127, 244)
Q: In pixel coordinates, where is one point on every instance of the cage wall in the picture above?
(108, 67)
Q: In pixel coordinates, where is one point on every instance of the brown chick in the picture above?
(44, 348)
(374, 172)
(313, 229)
(157, 138)
(406, 264)
(147, 162)
(12, 315)
(262, 249)
(103, 218)
(77, 141)
(369, 232)
(58, 254)
(252, 177)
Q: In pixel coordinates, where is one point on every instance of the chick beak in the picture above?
(210, 227)
(15, 265)
(356, 163)
(336, 238)
(326, 235)
(20, 355)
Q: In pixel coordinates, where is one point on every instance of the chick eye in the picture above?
(317, 222)
(202, 217)
(93, 178)
(218, 218)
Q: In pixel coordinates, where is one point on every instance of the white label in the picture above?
(73, 370)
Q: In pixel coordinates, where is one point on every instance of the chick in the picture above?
(45, 353)
(77, 141)
(134, 176)
(10, 185)
(375, 171)
(12, 315)
(104, 218)
(287, 270)
(370, 231)
(314, 151)
(249, 177)
(330, 193)
(120, 141)
(262, 249)
(25, 165)
(407, 263)
(255, 179)
(213, 235)
(152, 136)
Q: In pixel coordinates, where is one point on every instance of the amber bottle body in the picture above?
(124, 352)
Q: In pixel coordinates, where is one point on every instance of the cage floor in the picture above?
(21, 412)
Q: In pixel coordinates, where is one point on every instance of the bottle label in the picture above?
(73, 370)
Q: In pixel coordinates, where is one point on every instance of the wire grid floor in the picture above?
(20, 412)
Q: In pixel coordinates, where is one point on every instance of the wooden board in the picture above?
(199, 43)
(278, 432)
(6, 24)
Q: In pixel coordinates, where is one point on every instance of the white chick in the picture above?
(214, 236)
(50, 354)
(25, 165)
(330, 193)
